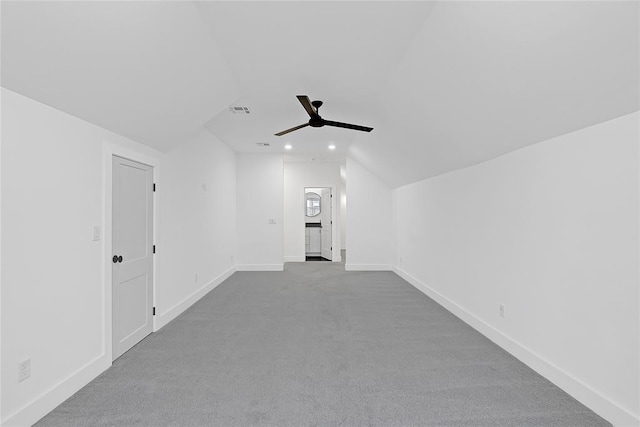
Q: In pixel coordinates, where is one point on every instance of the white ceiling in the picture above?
(146, 70)
(444, 84)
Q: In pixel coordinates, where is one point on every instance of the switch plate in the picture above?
(96, 233)
(272, 221)
(501, 310)
(24, 370)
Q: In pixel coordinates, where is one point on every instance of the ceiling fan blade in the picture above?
(306, 103)
(347, 126)
(284, 132)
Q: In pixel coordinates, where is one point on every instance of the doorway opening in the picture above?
(318, 226)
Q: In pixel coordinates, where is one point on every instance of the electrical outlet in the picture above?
(204, 187)
(24, 369)
(501, 310)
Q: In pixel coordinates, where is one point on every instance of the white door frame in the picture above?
(136, 259)
(335, 229)
(326, 216)
(110, 150)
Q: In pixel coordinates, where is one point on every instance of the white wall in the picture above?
(259, 200)
(53, 288)
(56, 288)
(197, 250)
(297, 177)
(550, 232)
(369, 219)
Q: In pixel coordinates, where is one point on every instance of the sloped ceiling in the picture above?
(444, 84)
(147, 70)
(485, 78)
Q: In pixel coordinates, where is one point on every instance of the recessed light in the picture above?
(332, 147)
(287, 147)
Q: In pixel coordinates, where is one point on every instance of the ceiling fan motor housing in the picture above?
(316, 122)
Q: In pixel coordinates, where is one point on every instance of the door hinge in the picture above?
(331, 248)
(331, 222)
(154, 249)
(154, 187)
(154, 311)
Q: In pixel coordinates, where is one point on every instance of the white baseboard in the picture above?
(368, 267)
(589, 397)
(50, 399)
(170, 314)
(260, 267)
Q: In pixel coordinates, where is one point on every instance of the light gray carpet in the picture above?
(317, 346)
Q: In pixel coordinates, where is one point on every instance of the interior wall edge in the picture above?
(589, 397)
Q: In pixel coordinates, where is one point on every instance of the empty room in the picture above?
(320, 213)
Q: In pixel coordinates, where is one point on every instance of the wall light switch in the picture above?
(24, 370)
(272, 221)
(96, 233)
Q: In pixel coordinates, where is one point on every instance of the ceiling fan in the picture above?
(316, 121)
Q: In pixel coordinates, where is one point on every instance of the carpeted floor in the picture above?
(317, 346)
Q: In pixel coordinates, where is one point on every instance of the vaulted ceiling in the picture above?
(444, 84)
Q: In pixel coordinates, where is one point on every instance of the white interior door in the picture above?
(132, 259)
(325, 219)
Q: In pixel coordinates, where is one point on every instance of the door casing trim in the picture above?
(109, 151)
(336, 255)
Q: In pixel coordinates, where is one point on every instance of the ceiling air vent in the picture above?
(240, 110)
(263, 144)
